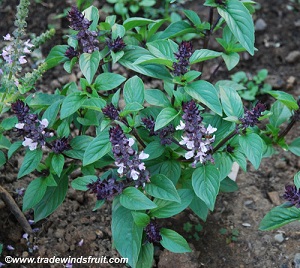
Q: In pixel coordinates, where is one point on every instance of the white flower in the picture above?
(121, 167)
(22, 60)
(131, 141)
(25, 236)
(19, 125)
(7, 37)
(29, 142)
(203, 147)
(134, 174)
(26, 50)
(44, 122)
(142, 166)
(189, 154)
(143, 155)
(181, 126)
(27, 44)
(210, 129)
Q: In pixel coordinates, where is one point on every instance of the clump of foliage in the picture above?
(152, 152)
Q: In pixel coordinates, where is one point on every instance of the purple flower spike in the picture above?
(111, 112)
(116, 44)
(106, 189)
(165, 134)
(292, 195)
(197, 138)
(183, 55)
(152, 233)
(127, 159)
(60, 145)
(77, 20)
(250, 118)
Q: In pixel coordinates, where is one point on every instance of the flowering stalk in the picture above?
(183, 55)
(29, 126)
(153, 233)
(292, 194)
(106, 189)
(197, 138)
(164, 134)
(88, 39)
(127, 160)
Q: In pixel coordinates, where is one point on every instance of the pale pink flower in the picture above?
(27, 44)
(181, 126)
(143, 155)
(134, 174)
(7, 37)
(22, 60)
(131, 141)
(44, 122)
(29, 142)
(19, 125)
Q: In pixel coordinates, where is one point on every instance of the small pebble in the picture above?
(245, 224)
(297, 260)
(279, 238)
(260, 25)
(293, 56)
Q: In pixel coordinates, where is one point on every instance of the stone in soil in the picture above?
(293, 56)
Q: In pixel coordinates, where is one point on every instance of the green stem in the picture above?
(173, 97)
(226, 139)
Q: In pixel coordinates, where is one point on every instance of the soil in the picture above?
(230, 236)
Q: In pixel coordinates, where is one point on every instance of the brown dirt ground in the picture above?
(60, 233)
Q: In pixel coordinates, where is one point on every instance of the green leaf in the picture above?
(133, 53)
(30, 162)
(134, 199)
(81, 183)
(157, 98)
(231, 101)
(89, 64)
(239, 22)
(134, 90)
(34, 193)
(2, 159)
(98, 204)
(285, 98)
(9, 123)
(228, 186)
(199, 208)
(192, 16)
(95, 104)
(97, 148)
(51, 113)
(52, 199)
(136, 22)
(166, 209)
(127, 236)
(206, 184)
(294, 147)
(231, 60)
(253, 147)
(163, 188)
(154, 149)
(297, 180)
(63, 129)
(146, 256)
(175, 29)
(280, 114)
(173, 241)
(203, 55)
(92, 14)
(163, 49)
(13, 148)
(56, 56)
(205, 93)
(78, 145)
(278, 217)
(171, 169)
(149, 59)
(57, 163)
(108, 81)
(165, 117)
(223, 163)
(140, 219)
(131, 108)
(71, 104)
